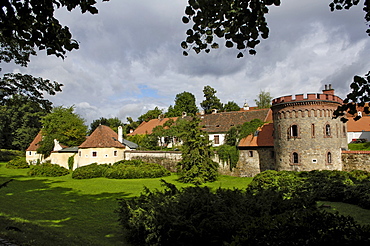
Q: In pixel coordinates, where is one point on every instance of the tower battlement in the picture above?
(308, 97)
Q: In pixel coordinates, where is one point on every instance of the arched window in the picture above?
(327, 130)
(328, 158)
(295, 158)
(313, 130)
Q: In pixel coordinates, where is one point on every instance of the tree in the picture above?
(151, 114)
(65, 126)
(243, 23)
(113, 123)
(211, 101)
(264, 100)
(196, 165)
(184, 102)
(231, 106)
(20, 122)
(26, 25)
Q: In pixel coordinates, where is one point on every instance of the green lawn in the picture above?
(66, 211)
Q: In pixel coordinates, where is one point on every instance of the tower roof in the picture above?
(102, 137)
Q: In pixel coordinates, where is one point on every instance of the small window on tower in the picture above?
(328, 158)
(295, 158)
(293, 131)
(327, 130)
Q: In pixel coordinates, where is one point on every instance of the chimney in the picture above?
(246, 106)
(120, 134)
(183, 115)
(214, 111)
(328, 91)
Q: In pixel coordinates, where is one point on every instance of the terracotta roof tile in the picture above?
(102, 137)
(362, 124)
(264, 137)
(147, 127)
(221, 122)
(35, 143)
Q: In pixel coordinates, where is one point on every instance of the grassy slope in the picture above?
(72, 212)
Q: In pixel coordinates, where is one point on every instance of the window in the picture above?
(115, 153)
(79, 153)
(293, 131)
(94, 154)
(216, 139)
(328, 158)
(29, 152)
(250, 153)
(295, 158)
(327, 130)
(313, 130)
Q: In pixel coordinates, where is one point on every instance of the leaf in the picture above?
(185, 19)
(229, 44)
(240, 55)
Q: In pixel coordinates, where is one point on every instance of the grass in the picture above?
(65, 211)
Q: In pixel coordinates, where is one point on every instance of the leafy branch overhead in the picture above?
(25, 25)
(241, 23)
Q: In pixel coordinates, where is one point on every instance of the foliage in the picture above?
(26, 25)
(359, 146)
(134, 169)
(184, 102)
(211, 101)
(231, 106)
(264, 100)
(47, 170)
(228, 154)
(65, 126)
(132, 125)
(198, 216)
(196, 165)
(243, 24)
(71, 161)
(19, 122)
(151, 114)
(93, 170)
(145, 141)
(18, 163)
(236, 133)
(113, 123)
(7, 154)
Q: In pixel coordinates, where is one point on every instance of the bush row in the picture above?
(199, 216)
(47, 170)
(17, 163)
(134, 169)
(7, 155)
(351, 187)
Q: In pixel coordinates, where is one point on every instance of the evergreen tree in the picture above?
(231, 106)
(211, 101)
(196, 165)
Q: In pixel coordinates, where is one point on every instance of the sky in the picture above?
(130, 59)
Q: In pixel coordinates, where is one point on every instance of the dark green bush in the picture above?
(93, 170)
(199, 216)
(136, 170)
(134, 162)
(17, 163)
(47, 170)
(7, 154)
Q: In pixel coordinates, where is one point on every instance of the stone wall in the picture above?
(356, 160)
(168, 159)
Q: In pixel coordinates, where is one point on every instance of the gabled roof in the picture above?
(102, 137)
(362, 124)
(262, 138)
(147, 127)
(221, 122)
(35, 143)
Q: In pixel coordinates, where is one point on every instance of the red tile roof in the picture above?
(221, 122)
(102, 137)
(35, 143)
(264, 137)
(147, 127)
(362, 124)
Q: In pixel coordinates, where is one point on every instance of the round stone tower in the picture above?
(306, 137)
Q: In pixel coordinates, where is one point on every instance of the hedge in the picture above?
(47, 170)
(17, 163)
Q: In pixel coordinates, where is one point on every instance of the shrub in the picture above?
(48, 170)
(7, 155)
(93, 170)
(199, 216)
(135, 170)
(17, 163)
